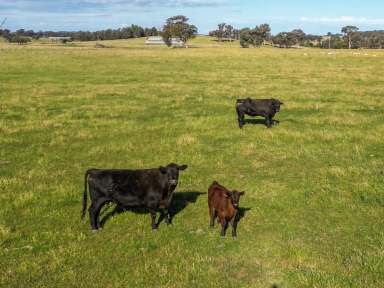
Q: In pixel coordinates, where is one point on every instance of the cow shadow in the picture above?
(260, 122)
(180, 201)
(241, 212)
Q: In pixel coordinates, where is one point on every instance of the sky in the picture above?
(314, 17)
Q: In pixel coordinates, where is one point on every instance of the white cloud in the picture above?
(157, 3)
(343, 19)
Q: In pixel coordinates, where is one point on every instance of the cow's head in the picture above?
(276, 104)
(234, 196)
(172, 172)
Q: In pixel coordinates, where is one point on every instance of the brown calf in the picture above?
(223, 203)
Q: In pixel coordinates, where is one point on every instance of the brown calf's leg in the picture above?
(213, 217)
(224, 224)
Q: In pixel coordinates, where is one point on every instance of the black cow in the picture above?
(145, 188)
(266, 108)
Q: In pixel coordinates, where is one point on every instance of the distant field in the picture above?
(314, 202)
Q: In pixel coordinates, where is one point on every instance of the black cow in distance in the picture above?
(266, 108)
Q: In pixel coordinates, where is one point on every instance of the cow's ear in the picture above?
(163, 169)
(242, 193)
(228, 194)
(183, 167)
(281, 103)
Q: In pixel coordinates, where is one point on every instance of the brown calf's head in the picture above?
(234, 196)
(172, 172)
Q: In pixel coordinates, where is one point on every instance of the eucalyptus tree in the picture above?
(178, 27)
(348, 31)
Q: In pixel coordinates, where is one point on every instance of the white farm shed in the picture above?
(158, 40)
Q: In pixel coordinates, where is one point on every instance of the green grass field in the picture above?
(314, 184)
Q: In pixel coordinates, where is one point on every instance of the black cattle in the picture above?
(145, 188)
(266, 108)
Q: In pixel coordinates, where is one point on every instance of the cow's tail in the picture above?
(85, 195)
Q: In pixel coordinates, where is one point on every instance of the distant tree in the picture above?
(224, 31)
(334, 41)
(348, 31)
(328, 38)
(220, 31)
(236, 34)
(178, 27)
(151, 31)
(245, 37)
(137, 31)
(285, 39)
(311, 40)
(374, 39)
(298, 36)
(20, 39)
(358, 40)
(255, 37)
(228, 32)
(5, 33)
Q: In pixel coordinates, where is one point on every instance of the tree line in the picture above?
(350, 37)
(133, 31)
(177, 27)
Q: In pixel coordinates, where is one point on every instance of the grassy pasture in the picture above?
(314, 204)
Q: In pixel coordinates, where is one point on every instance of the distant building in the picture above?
(158, 40)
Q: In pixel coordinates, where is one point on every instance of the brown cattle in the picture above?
(223, 203)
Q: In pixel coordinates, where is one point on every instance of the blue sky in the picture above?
(317, 17)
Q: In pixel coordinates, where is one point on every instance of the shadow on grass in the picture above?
(260, 122)
(180, 201)
(241, 213)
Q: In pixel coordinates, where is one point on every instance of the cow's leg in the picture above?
(213, 217)
(94, 211)
(153, 217)
(240, 118)
(168, 218)
(224, 224)
(97, 208)
(92, 218)
(268, 121)
(273, 122)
